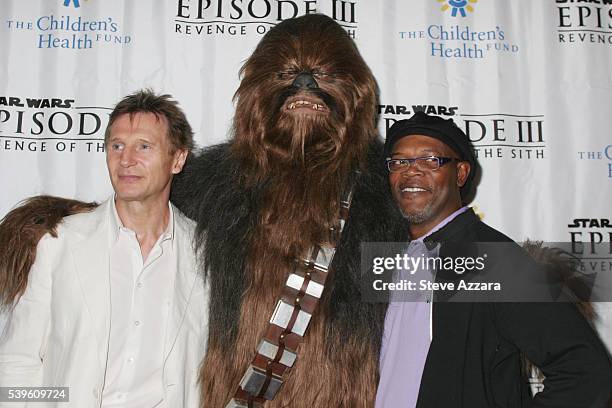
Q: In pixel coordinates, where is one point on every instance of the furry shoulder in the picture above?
(209, 177)
(84, 223)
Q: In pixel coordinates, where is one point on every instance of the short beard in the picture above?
(420, 216)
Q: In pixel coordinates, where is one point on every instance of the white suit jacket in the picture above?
(58, 332)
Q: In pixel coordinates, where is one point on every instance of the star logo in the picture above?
(457, 6)
(76, 3)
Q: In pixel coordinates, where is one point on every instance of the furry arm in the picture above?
(20, 231)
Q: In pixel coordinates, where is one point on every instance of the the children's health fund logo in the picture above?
(460, 40)
(65, 30)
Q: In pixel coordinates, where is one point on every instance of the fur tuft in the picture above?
(20, 231)
(560, 266)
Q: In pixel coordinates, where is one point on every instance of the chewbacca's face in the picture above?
(304, 97)
(305, 91)
(305, 111)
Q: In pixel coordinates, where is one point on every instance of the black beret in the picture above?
(439, 128)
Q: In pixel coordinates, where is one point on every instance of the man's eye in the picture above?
(145, 146)
(116, 146)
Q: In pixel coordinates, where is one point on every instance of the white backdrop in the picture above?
(530, 81)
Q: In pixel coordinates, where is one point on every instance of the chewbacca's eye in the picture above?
(287, 75)
(323, 74)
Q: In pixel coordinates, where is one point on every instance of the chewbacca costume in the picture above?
(304, 132)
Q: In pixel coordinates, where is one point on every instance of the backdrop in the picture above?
(529, 82)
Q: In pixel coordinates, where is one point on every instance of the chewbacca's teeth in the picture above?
(314, 106)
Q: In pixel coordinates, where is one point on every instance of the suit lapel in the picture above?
(91, 258)
(183, 284)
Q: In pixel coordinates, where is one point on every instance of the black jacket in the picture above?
(474, 358)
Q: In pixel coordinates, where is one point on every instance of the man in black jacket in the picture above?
(468, 354)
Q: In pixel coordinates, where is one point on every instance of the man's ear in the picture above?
(463, 171)
(179, 160)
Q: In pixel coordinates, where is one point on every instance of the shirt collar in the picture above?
(443, 222)
(117, 226)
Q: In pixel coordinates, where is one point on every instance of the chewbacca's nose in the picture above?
(305, 80)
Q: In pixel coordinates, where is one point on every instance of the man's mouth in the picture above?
(129, 178)
(413, 190)
(410, 188)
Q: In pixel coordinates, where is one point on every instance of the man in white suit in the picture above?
(114, 308)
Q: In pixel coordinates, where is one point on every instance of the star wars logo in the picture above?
(584, 21)
(440, 110)
(591, 243)
(247, 17)
(31, 124)
(494, 135)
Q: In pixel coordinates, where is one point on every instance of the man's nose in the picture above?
(305, 80)
(411, 169)
(127, 157)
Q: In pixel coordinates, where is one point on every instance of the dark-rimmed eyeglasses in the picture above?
(420, 163)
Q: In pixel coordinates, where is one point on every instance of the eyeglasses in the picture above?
(420, 163)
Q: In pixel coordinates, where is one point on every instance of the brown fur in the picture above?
(562, 266)
(306, 161)
(315, 381)
(20, 231)
(304, 164)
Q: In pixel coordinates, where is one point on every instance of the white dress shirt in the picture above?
(141, 294)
